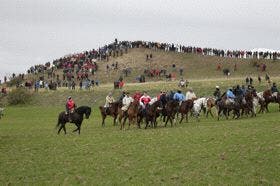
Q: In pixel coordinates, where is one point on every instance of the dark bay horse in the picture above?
(77, 118)
(152, 112)
(171, 109)
(224, 106)
(269, 98)
(112, 110)
(185, 108)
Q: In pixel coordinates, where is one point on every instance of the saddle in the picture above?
(229, 101)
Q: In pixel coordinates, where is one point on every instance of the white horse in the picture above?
(198, 104)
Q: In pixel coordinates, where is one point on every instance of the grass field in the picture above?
(228, 152)
(234, 152)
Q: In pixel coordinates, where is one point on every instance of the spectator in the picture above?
(251, 81)
(259, 79)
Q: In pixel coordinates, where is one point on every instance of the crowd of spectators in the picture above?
(79, 68)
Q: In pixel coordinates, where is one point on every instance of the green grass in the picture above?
(233, 152)
(209, 152)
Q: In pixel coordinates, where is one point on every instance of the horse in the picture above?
(77, 118)
(185, 107)
(247, 104)
(261, 102)
(224, 106)
(269, 98)
(132, 114)
(112, 110)
(171, 108)
(210, 103)
(198, 105)
(152, 112)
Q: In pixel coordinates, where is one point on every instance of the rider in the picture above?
(179, 97)
(230, 95)
(109, 99)
(190, 94)
(70, 107)
(163, 98)
(137, 96)
(238, 92)
(126, 101)
(122, 96)
(217, 93)
(144, 100)
(274, 90)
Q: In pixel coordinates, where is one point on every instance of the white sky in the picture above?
(37, 31)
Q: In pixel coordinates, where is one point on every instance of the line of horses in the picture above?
(169, 111)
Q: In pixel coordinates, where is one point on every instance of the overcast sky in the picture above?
(37, 31)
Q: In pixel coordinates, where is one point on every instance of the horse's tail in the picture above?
(58, 121)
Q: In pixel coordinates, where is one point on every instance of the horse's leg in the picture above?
(175, 118)
(79, 128)
(64, 128)
(168, 117)
(139, 119)
(103, 120)
(182, 117)
(209, 110)
(120, 120)
(266, 107)
(124, 120)
(147, 122)
(218, 113)
(226, 113)
(61, 126)
(115, 118)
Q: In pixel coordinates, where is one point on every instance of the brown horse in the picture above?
(207, 108)
(247, 106)
(171, 109)
(152, 112)
(132, 114)
(185, 108)
(269, 98)
(112, 110)
(223, 106)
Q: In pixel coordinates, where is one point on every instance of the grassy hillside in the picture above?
(195, 66)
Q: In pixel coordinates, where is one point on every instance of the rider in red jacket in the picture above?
(70, 107)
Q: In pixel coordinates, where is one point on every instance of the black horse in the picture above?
(77, 118)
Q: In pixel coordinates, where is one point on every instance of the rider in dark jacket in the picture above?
(217, 93)
(274, 88)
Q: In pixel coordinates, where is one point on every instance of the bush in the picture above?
(19, 96)
(254, 62)
(14, 81)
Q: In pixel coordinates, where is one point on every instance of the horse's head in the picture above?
(88, 112)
